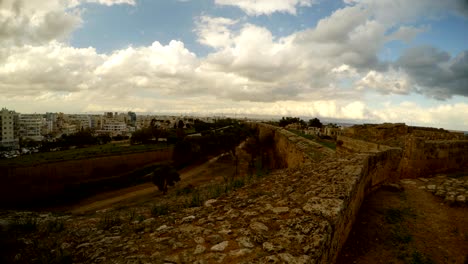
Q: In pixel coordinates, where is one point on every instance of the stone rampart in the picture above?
(333, 188)
(350, 145)
(425, 158)
(291, 150)
(30, 183)
(424, 152)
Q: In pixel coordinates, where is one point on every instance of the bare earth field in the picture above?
(412, 226)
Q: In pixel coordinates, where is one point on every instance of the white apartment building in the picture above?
(30, 126)
(8, 129)
(114, 128)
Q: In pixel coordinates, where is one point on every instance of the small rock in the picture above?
(268, 246)
(199, 240)
(199, 249)
(245, 242)
(171, 259)
(461, 199)
(240, 252)
(450, 198)
(258, 227)
(411, 182)
(214, 239)
(149, 221)
(431, 187)
(210, 202)
(220, 247)
(188, 219)
(162, 227)
(280, 210)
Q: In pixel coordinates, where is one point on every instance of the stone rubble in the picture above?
(451, 190)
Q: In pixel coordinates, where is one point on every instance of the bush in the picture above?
(157, 210)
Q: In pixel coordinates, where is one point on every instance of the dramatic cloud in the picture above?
(435, 73)
(266, 7)
(326, 70)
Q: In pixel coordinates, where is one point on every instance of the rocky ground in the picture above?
(406, 222)
(452, 190)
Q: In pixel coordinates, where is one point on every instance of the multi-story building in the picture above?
(30, 126)
(9, 129)
(97, 121)
(114, 128)
(82, 122)
(69, 129)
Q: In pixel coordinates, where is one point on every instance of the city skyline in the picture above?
(370, 61)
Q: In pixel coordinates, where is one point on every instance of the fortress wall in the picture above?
(340, 183)
(291, 150)
(351, 145)
(424, 158)
(24, 184)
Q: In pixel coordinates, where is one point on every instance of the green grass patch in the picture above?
(326, 143)
(157, 210)
(109, 220)
(397, 215)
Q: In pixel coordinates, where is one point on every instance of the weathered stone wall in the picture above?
(23, 184)
(350, 145)
(423, 158)
(339, 184)
(291, 150)
(423, 151)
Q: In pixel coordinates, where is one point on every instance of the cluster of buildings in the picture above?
(329, 130)
(37, 127)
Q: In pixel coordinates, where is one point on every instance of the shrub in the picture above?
(157, 210)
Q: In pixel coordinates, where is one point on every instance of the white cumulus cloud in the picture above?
(266, 7)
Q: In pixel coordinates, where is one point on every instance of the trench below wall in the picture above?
(27, 185)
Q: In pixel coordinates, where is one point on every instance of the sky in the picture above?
(367, 61)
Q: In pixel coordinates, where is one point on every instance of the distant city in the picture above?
(37, 127)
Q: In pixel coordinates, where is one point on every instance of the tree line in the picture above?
(315, 122)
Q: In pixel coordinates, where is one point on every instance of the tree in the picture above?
(180, 124)
(315, 123)
(165, 176)
(290, 120)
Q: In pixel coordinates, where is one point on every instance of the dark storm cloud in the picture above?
(435, 73)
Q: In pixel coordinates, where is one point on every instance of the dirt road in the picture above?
(209, 171)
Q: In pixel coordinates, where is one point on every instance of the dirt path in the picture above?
(412, 226)
(209, 171)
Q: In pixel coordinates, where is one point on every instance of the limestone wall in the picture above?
(351, 145)
(23, 184)
(291, 150)
(423, 158)
(340, 184)
(423, 151)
